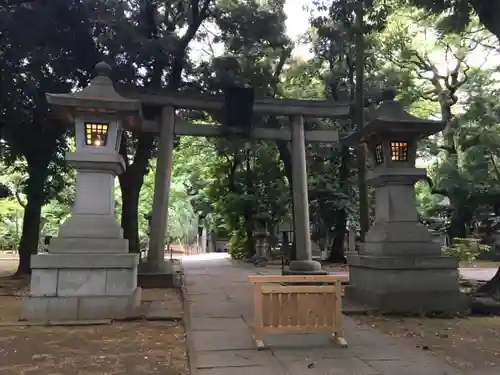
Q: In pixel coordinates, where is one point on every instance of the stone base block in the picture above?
(81, 308)
(75, 261)
(156, 275)
(399, 239)
(407, 302)
(82, 287)
(305, 265)
(91, 226)
(156, 280)
(75, 245)
(160, 267)
(405, 285)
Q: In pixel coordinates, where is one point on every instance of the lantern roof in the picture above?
(99, 97)
(390, 117)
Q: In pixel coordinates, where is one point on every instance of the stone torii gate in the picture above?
(89, 274)
(168, 126)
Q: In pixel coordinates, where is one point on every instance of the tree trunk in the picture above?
(249, 208)
(488, 12)
(286, 158)
(364, 215)
(457, 228)
(250, 245)
(337, 250)
(28, 245)
(457, 223)
(130, 184)
(130, 214)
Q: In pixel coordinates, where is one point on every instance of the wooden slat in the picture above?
(285, 310)
(294, 304)
(276, 288)
(266, 310)
(319, 311)
(275, 307)
(297, 329)
(302, 311)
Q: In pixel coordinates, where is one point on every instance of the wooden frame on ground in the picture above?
(310, 304)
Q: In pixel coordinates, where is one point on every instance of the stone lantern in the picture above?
(260, 233)
(88, 272)
(399, 268)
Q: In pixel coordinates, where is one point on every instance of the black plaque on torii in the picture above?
(238, 111)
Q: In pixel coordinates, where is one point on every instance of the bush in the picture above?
(238, 244)
(465, 249)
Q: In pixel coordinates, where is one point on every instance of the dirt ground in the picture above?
(127, 348)
(471, 343)
(139, 347)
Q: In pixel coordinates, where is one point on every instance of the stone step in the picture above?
(74, 245)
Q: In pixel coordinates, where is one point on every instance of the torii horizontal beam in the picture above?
(269, 107)
(208, 130)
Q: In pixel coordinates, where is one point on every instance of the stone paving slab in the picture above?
(217, 310)
(222, 340)
(235, 358)
(402, 367)
(214, 324)
(219, 329)
(338, 366)
(207, 298)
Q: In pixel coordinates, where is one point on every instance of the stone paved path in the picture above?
(219, 303)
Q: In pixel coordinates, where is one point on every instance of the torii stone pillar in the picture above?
(156, 254)
(88, 272)
(304, 264)
(399, 268)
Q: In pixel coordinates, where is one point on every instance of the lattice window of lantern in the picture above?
(399, 151)
(379, 154)
(96, 134)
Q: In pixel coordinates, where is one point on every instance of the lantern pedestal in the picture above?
(399, 269)
(411, 284)
(88, 272)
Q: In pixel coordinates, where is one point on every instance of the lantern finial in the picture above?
(103, 69)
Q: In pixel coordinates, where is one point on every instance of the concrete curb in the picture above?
(82, 323)
(69, 323)
(187, 325)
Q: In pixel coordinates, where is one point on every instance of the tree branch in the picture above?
(197, 17)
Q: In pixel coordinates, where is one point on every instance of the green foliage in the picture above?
(455, 15)
(428, 204)
(11, 223)
(465, 249)
(238, 244)
(246, 183)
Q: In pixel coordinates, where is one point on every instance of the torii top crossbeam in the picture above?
(271, 107)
